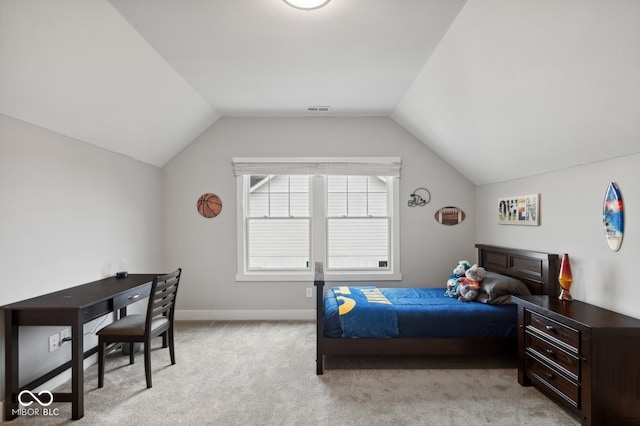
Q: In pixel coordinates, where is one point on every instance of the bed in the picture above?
(538, 271)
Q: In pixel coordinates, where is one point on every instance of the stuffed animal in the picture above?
(469, 287)
(454, 280)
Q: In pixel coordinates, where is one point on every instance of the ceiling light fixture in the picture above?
(307, 4)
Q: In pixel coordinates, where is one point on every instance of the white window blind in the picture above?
(367, 166)
(278, 243)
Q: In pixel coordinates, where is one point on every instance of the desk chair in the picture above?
(142, 328)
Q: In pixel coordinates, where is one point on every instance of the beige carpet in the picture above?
(263, 373)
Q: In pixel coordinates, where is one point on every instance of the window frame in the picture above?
(318, 219)
(347, 215)
(248, 218)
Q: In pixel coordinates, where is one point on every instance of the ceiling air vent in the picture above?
(318, 108)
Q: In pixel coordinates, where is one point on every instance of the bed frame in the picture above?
(538, 270)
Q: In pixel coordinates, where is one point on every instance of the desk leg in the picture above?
(10, 367)
(77, 371)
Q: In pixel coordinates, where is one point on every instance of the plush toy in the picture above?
(469, 287)
(454, 280)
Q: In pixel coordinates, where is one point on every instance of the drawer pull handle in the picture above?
(549, 328)
(550, 352)
(549, 376)
(134, 297)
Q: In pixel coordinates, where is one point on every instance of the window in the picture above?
(295, 212)
(357, 223)
(278, 222)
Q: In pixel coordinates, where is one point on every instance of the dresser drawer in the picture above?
(554, 354)
(554, 329)
(553, 380)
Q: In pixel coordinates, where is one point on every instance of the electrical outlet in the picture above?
(54, 342)
(65, 336)
(309, 292)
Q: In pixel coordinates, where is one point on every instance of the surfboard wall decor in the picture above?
(613, 217)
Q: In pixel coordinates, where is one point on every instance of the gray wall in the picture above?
(71, 213)
(571, 222)
(206, 248)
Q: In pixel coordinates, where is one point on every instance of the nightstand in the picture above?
(584, 357)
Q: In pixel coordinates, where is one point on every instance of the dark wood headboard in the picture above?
(538, 270)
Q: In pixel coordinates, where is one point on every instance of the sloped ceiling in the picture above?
(522, 87)
(78, 68)
(500, 89)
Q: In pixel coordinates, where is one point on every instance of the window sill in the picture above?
(328, 276)
(261, 276)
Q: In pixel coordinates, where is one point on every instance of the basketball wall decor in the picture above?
(209, 205)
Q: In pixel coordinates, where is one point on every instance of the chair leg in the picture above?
(147, 361)
(172, 351)
(101, 351)
(164, 339)
(132, 347)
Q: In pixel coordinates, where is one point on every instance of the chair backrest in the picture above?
(162, 298)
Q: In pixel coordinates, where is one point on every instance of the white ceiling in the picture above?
(500, 89)
(262, 57)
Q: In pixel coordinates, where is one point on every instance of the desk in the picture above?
(72, 307)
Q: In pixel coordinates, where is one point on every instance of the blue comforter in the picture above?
(365, 312)
(427, 312)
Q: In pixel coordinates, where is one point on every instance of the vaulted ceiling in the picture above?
(500, 89)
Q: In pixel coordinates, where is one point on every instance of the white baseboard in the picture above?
(246, 315)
